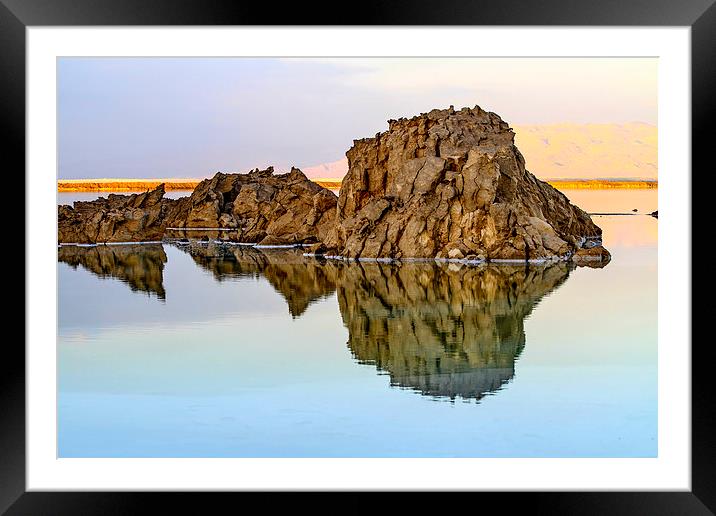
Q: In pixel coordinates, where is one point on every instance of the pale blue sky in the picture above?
(192, 117)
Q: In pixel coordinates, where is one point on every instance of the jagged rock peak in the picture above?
(489, 120)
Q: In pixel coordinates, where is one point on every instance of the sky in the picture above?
(193, 117)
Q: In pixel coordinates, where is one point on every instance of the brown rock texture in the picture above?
(259, 207)
(141, 266)
(451, 184)
(444, 330)
(117, 218)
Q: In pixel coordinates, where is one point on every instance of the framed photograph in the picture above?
(446, 247)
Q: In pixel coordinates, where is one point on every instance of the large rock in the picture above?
(259, 207)
(451, 184)
(117, 218)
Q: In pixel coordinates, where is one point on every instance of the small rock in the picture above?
(596, 256)
(455, 254)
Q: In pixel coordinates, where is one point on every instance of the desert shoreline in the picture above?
(138, 185)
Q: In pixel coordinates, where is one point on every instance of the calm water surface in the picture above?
(205, 350)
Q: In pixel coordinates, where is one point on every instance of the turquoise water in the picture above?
(206, 350)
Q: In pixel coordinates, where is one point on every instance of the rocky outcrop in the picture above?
(117, 218)
(141, 266)
(451, 184)
(259, 207)
(444, 330)
(446, 184)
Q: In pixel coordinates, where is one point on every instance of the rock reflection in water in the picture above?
(300, 281)
(140, 266)
(442, 330)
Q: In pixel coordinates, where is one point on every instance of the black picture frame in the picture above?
(17, 15)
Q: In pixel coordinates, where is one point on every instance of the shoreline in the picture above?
(602, 184)
(139, 185)
(551, 260)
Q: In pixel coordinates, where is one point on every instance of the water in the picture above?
(216, 351)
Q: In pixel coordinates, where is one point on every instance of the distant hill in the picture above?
(568, 151)
(124, 184)
(624, 155)
(334, 170)
(604, 151)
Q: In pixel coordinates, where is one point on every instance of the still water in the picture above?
(206, 350)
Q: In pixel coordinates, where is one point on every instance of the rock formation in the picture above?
(117, 218)
(140, 266)
(451, 184)
(259, 207)
(446, 184)
(444, 330)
